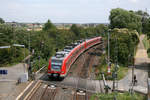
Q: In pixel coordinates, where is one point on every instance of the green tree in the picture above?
(75, 30)
(1, 21)
(148, 28)
(48, 26)
(122, 44)
(6, 38)
(120, 18)
(102, 29)
(13, 54)
(145, 20)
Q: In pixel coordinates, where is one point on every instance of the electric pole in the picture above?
(109, 45)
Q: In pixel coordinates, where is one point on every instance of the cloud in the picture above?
(134, 1)
(65, 10)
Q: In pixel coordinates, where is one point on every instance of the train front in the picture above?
(54, 68)
(56, 65)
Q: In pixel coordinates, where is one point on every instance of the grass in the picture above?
(119, 96)
(122, 71)
(146, 45)
(39, 64)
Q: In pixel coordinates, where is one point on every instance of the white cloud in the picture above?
(134, 1)
(65, 10)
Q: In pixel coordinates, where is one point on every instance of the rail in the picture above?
(40, 69)
(33, 90)
(148, 94)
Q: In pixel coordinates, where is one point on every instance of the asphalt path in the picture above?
(140, 70)
(8, 88)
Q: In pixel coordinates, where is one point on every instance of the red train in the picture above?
(60, 64)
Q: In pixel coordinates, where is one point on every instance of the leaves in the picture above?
(122, 44)
(48, 26)
(120, 18)
(44, 42)
(1, 21)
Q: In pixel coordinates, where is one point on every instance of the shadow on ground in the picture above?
(144, 66)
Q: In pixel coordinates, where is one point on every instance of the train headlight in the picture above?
(63, 72)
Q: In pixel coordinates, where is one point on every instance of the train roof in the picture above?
(62, 54)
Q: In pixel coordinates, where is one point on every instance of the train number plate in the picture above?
(55, 75)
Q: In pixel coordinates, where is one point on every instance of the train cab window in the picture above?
(56, 64)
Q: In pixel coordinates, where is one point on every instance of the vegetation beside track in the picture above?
(119, 96)
(38, 63)
(121, 73)
(146, 43)
(44, 43)
(123, 43)
(8, 59)
(124, 25)
(103, 68)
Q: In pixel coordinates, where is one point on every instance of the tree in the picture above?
(48, 26)
(145, 20)
(122, 44)
(120, 18)
(12, 54)
(75, 30)
(1, 21)
(148, 28)
(101, 29)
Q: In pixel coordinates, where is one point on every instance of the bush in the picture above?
(119, 96)
(39, 64)
(12, 55)
(148, 52)
(122, 45)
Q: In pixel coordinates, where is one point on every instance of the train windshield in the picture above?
(56, 64)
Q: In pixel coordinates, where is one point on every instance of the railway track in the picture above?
(81, 95)
(75, 83)
(43, 92)
(50, 92)
(85, 62)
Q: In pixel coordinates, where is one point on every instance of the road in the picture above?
(140, 70)
(8, 88)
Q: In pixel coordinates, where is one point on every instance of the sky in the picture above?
(66, 11)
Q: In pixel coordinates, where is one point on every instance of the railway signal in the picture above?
(109, 63)
(109, 68)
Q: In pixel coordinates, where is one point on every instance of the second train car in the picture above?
(60, 64)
